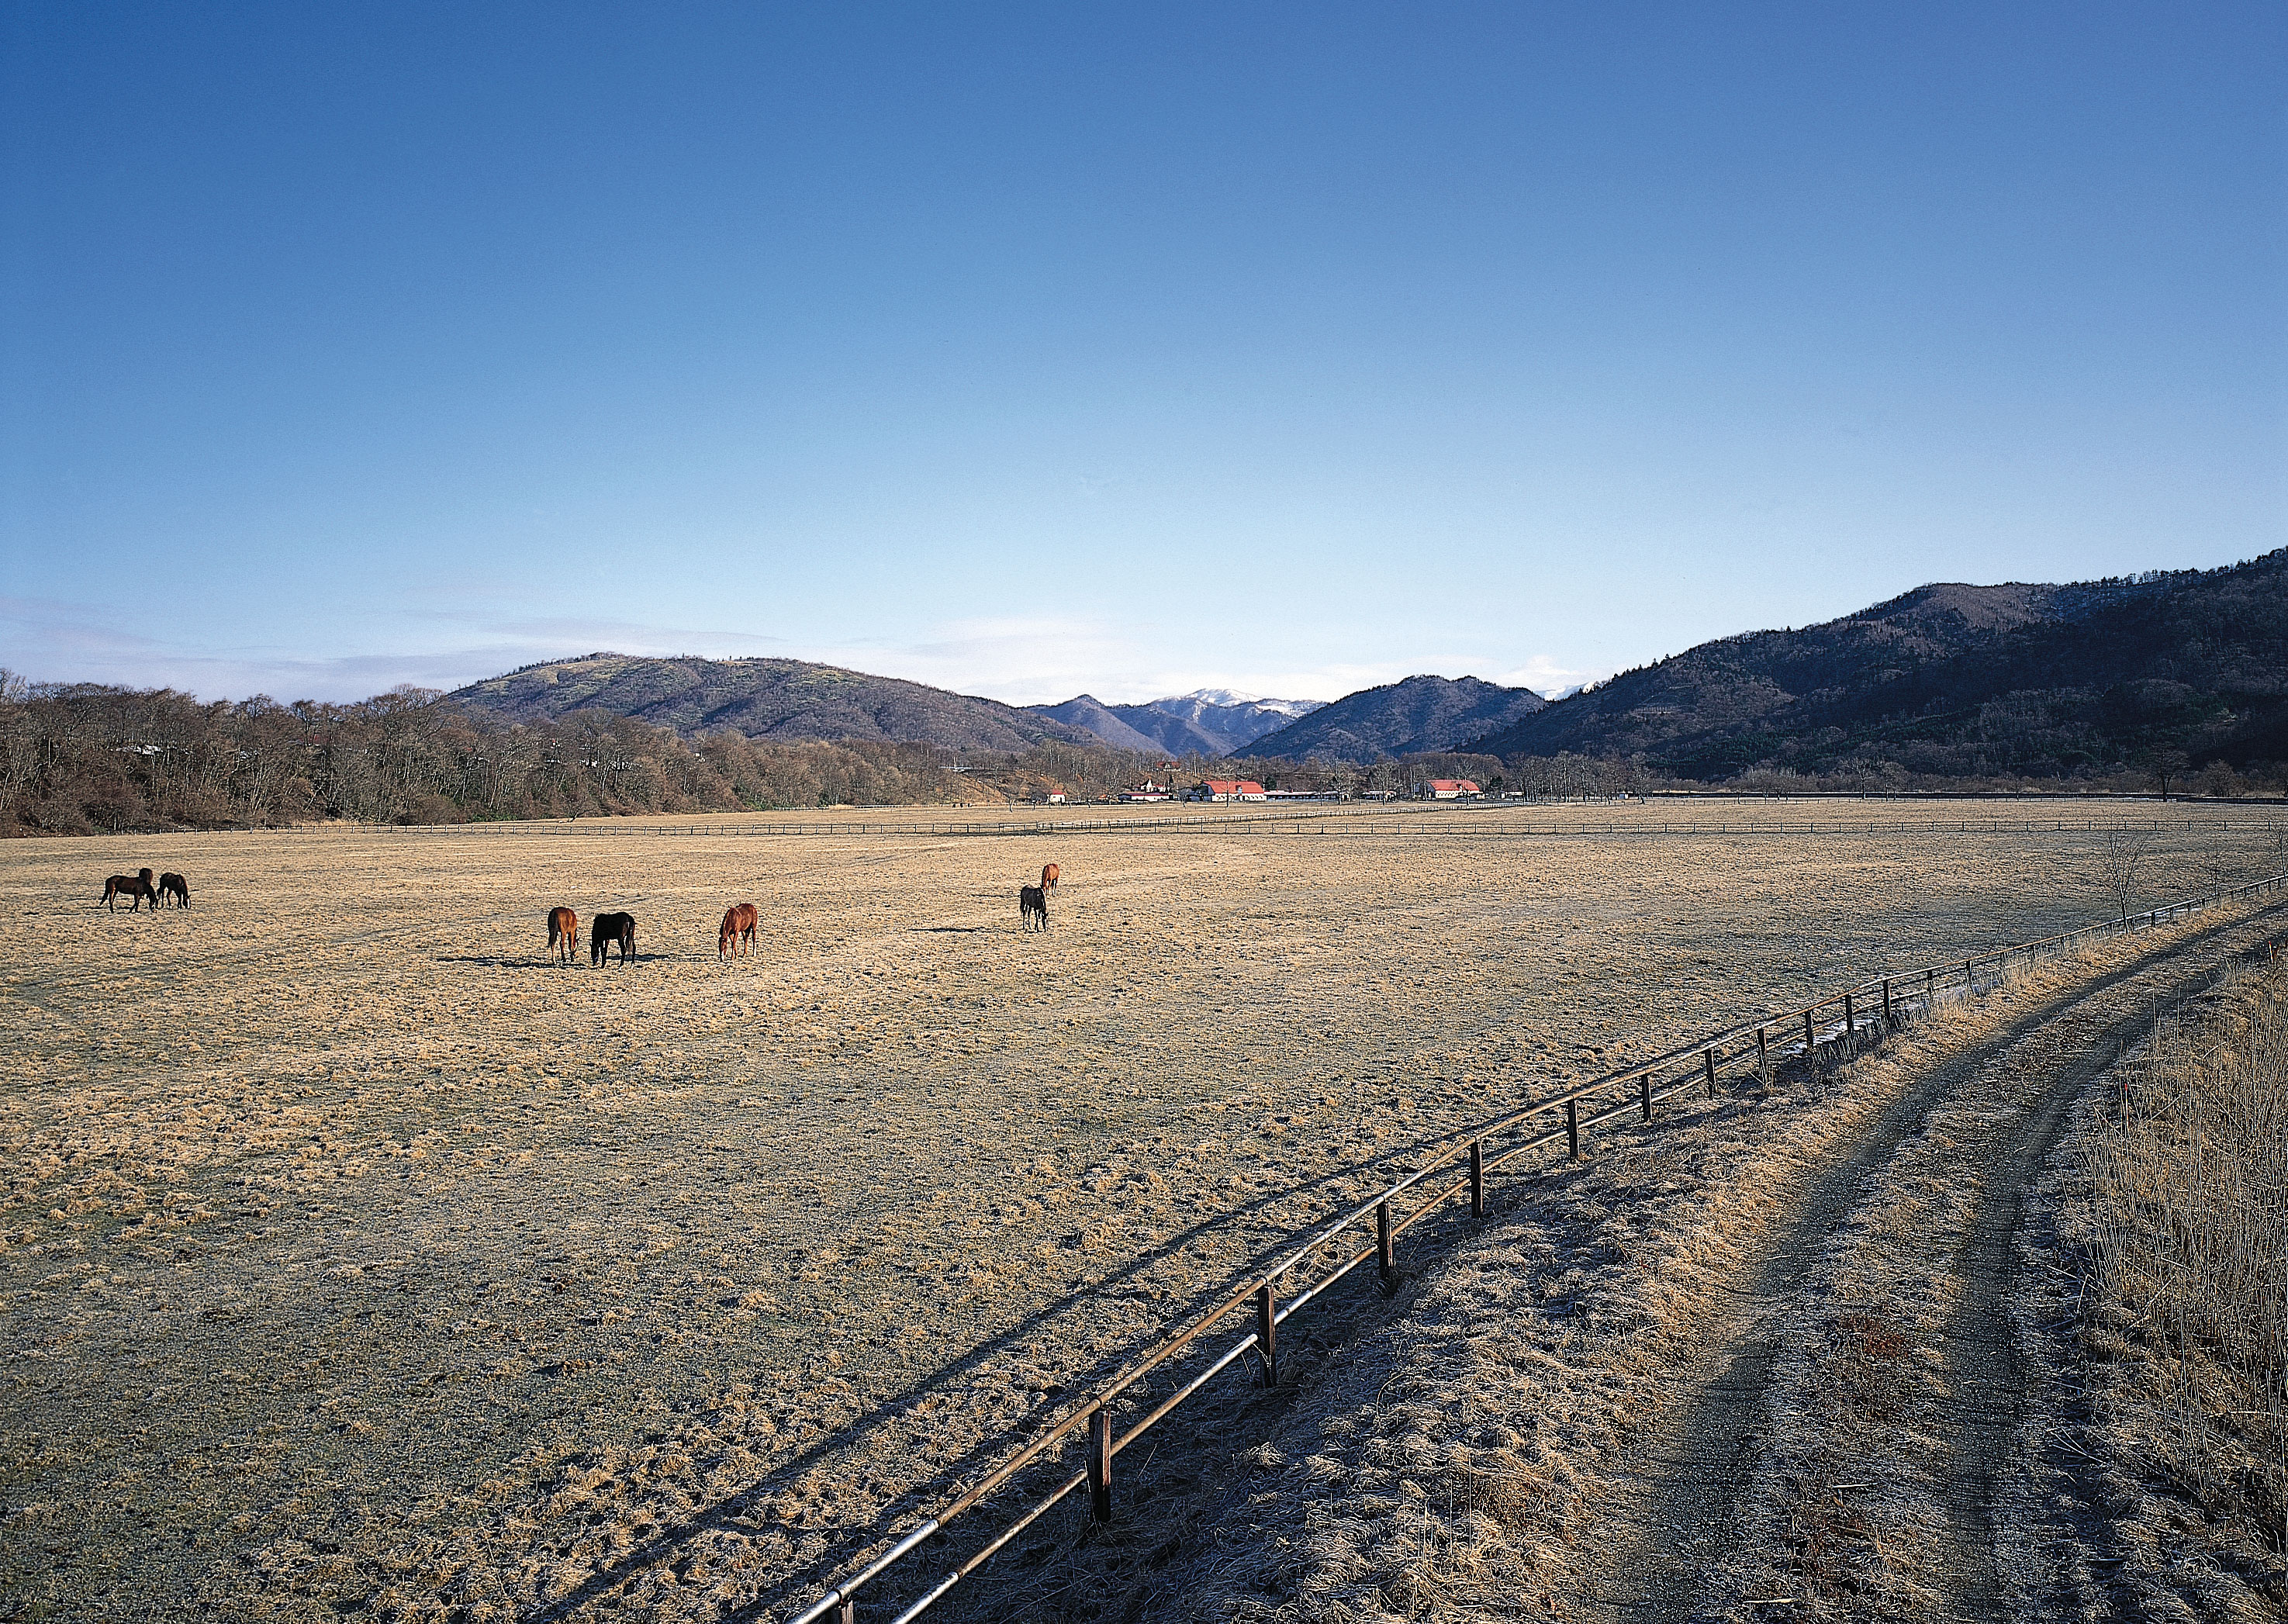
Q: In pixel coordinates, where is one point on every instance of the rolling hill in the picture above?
(763, 699)
(1104, 721)
(1961, 681)
(1415, 716)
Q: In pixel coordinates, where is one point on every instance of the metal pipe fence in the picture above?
(1697, 1066)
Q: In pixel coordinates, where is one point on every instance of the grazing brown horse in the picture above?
(563, 934)
(137, 886)
(606, 928)
(738, 932)
(1049, 877)
(1033, 907)
(176, 886)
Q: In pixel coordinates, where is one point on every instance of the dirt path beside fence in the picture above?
(1841, 1451)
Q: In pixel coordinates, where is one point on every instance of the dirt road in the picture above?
(1842, 1447)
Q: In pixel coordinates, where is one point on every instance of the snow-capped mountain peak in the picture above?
(1228, 699)
(1206, 722)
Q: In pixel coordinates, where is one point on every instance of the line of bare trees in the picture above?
(82, 758)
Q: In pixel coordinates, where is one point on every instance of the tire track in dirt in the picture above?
(1986, 1380)
(1691, 1519)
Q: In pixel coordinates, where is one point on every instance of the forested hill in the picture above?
(1962, 681)
(762, 699)
(1419, 716)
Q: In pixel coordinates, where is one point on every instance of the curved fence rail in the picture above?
(1112, 1418)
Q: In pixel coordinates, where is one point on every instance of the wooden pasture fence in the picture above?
(1475, 823)
(1108, 1419)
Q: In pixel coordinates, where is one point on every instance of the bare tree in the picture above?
(2220, 867)
(2162, 764)
(2118, 872)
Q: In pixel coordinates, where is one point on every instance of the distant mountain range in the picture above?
(1207, 722)
(1420, 716)
(1958, 681)
(1947, 680)
(763, 699)
(1104, 722)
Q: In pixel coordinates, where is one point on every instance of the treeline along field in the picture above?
(84, 758)
(87, 759)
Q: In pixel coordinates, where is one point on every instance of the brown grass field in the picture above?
(355, 1259)
(2176, 1217)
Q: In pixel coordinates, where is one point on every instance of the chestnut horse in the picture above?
(137, 886)
(563, 934)
(738, 932)
(606, 928)
(176, 886)
(1049, 877)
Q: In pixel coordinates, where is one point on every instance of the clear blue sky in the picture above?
(1031, 350)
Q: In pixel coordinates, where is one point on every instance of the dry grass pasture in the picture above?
(355, 1259)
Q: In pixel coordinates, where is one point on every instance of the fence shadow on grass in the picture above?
(727, 1510)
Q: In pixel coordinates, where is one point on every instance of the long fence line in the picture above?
(1749, 1047)
(1356, 825)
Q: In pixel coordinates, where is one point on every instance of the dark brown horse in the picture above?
(1033, 907)
(138, 886)
(738, 932)
(606, 928)
(1049, 876)
(176, 886)
(563, 934)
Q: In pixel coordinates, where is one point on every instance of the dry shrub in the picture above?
(2189, 1225)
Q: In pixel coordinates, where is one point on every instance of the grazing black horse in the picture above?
(176, 886)
(604, 930)
(137, 886)
(1033, 907)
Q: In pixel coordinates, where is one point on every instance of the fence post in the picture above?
(1573, 1130)
(1100, 1464)
(1644, 1095)
(1385, 1260)
(1763, 1055)
(1266, 1333)
(1886, 1001)
(1930, 986)
(847, 1613)
(1850, 1018)
(1808, 1040)
(1708, 1065)
(1477, 1179)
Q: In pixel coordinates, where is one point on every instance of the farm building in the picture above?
(1226, 789)
(1448, 789)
